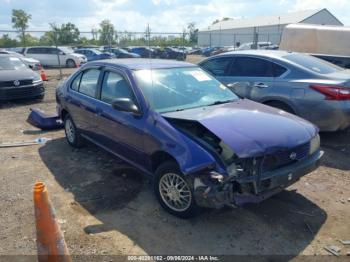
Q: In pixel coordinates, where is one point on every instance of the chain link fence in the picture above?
(12, 38)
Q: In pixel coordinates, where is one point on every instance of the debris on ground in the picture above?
(345, 242)
(37, 141)
(333, 250)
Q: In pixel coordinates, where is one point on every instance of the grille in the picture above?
(23, 92)
(21, 83)
(283, 158)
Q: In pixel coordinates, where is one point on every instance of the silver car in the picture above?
(297, 83)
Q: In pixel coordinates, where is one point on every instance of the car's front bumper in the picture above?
(21, 92)
(235, 192)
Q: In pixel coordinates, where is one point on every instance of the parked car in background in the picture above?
(93, 54)
(195, 51)
(121, 53)
(208, 51)
(296, 83)
(203, 146)
(224, 50)
(259, 45)
(142, 51)
(30, 62)
(173, 53)
(18, 49)
(17, 81)
(48, 56)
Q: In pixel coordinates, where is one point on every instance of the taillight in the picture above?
(333, 92)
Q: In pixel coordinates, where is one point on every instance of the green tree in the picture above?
(193, 32)
(68, 34)
(20, 21)
(106, 32)
(47, 38)
(6, 41)
(31, 40)
(65, 34)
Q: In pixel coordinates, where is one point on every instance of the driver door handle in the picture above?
(260, 85)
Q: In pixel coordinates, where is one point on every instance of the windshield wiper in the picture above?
(221, 102)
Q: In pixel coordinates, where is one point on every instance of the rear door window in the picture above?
(251, 67)
(277, 70)
(218, 66)
(89, 81)
(33, 51)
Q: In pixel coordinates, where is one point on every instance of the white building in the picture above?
(238, 31)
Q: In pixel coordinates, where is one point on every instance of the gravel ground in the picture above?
(105, 207)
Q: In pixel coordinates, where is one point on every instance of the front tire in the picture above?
(174, 192)
(72, 134)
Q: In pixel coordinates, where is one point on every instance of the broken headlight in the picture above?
(217, 176)
(314, 144)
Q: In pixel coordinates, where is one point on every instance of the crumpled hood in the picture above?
(249, 128)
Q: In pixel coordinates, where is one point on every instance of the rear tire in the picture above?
(71, 63)
(174, 192)
(72, 134)
(282, 106)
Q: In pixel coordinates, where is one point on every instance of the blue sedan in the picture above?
(93, 54)
(202, 145)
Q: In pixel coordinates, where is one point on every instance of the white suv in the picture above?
(48, 55)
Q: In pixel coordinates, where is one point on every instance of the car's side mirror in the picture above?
(126, 105)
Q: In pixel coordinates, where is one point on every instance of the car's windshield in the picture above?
(312, 63)
(97, 52)
(66, 50)
(177, 89)
(11, 63)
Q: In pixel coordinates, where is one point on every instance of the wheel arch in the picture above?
(63, 113)
(271, 100)
(159, 157)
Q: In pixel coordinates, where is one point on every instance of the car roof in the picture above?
(142, 63)
(263, 53)
(91, 49)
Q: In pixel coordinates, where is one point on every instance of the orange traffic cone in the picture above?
(50, 241)
(43, 75)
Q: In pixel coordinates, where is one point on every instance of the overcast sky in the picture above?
(162, 15)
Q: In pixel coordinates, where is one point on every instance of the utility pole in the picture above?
(149, 40)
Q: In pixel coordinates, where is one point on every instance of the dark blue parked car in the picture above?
(203, 146)
(142, 51)
(121, 53)
(93, 54)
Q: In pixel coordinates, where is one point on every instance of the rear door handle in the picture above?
(260, 85)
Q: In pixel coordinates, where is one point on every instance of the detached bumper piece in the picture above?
(39, 119)
(21, 92)
(253, 189)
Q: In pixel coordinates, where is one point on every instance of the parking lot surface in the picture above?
(105, 207)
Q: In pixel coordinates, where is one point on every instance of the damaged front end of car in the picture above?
(234, 180)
